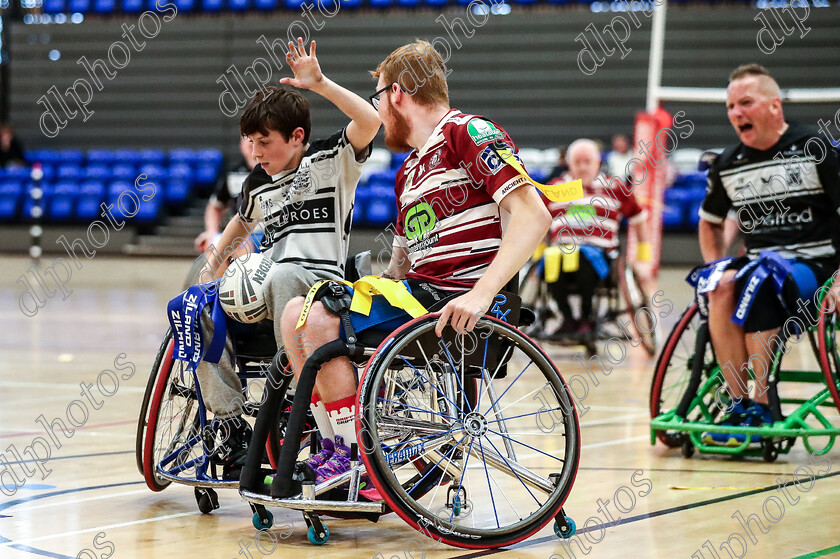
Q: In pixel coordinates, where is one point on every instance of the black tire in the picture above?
(390, 427)
(142, 422)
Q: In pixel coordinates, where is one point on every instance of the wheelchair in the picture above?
(618, 296)
(686, 396)
(175, 437)
(449, 430)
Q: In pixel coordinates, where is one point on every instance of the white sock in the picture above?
(343, 418)
(322, 419)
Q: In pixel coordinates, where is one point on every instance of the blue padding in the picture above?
(805, 280)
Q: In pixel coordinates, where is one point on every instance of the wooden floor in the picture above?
(92, 497)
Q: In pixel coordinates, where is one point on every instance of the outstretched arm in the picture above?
(365, 120)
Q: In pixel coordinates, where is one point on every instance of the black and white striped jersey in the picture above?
(787, 198)
(308, 211)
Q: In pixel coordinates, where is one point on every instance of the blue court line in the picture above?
(71, 457)
(636, 518)
(43, 552)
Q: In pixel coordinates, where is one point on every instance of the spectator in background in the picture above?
(619, 157)
(561, 166)
(224, 196)
(11, 150)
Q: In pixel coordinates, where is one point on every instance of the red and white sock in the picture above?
(342, 416)
(322, 418)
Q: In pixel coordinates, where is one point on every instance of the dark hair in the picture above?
(279, 108)
(749, 70)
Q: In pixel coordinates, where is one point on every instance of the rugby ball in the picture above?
(241, 288)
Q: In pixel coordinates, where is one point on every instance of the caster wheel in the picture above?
(687, 448)
(207, 500)
(769, 451)
(263, 521)
(456, 505)
(565, 535)
(313, 537)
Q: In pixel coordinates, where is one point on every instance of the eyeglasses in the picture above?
(374, 99)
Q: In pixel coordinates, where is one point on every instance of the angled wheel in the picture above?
(638, 307)
(164, 356)
(535, 296)
(673, 368)
(828, 350)
(515, 433)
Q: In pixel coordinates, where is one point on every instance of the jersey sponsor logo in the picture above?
(420, 219)
(780, 220)
(583, 212)
(490, 162)
(482, 131)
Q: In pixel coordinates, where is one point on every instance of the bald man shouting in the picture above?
(588, 231)
(783, 181)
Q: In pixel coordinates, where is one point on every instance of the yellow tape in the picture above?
(571, 260)
(565, 192)
(395, 292)
(538, 253)
(307, 302)
(552, 258)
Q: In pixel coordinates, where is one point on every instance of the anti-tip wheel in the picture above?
(687, 448)
(572, 528)
(769, 451)
(263, 521)
(313, 537)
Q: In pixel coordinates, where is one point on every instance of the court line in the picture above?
(30, 461)
(82, 428)
(637, 518)
(30, 384)
(820, 553)
(85, 500)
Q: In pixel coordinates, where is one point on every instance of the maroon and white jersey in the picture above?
(595, 218)
(448, 195)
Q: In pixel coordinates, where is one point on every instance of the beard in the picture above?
(396, 135)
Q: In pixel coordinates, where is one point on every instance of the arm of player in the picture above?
(399, 265)
(233, 239)
(711, 240)
(365, 120)
(529, 222)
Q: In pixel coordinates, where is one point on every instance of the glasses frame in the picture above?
(374, 99)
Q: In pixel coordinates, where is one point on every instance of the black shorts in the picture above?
(767, 311)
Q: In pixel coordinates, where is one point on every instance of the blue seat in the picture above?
(80, 6)
(154, 172)
(43, 156)
(181, 171)
(155, 156)
(206, 175)
(132, 6)
(114, 190)
(182, 156)
(380, 4)
(381, 207)
(347, 5)
(408, 3)
(397, 159)
(176, 192)
(363, 196)
(76, 156)
(210, 156)
(185, 6)
(91, 195)
(238, 5)
(53, 6)
(103, 156)
(672, 217)
(69, 171)
(211, 6)
(693, 216)
(103, 6)
(62, 202)
(11, 195)
(149, 210)
(18, 173)
(129, 156)
(293, 5)
(29, 201)
(124, 171)
(98, 171)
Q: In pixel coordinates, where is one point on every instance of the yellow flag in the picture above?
(566, 192)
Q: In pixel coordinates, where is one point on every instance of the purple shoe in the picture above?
(318, 460)
(337, 464)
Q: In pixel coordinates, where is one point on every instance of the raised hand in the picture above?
(305, 66)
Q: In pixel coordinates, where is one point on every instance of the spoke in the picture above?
(502, 395)
(433, 468)
(441, 434)
(525, 445)
(465, 473)
(483, 368)
(455, 369)
(437, 487)
(433, 385)
(489, 488)
(422, 410)
(514, 473)
(558, 408)
(498, 413)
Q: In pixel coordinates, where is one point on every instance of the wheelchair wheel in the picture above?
(828, 352)
(164, 355)
(643, 322)
(535, 296)
(448, 457)
(673, 369)
(170, 422)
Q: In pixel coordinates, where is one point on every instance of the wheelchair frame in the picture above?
(704, 381)
(292, 488)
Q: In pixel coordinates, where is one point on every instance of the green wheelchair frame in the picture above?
(703, 399)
